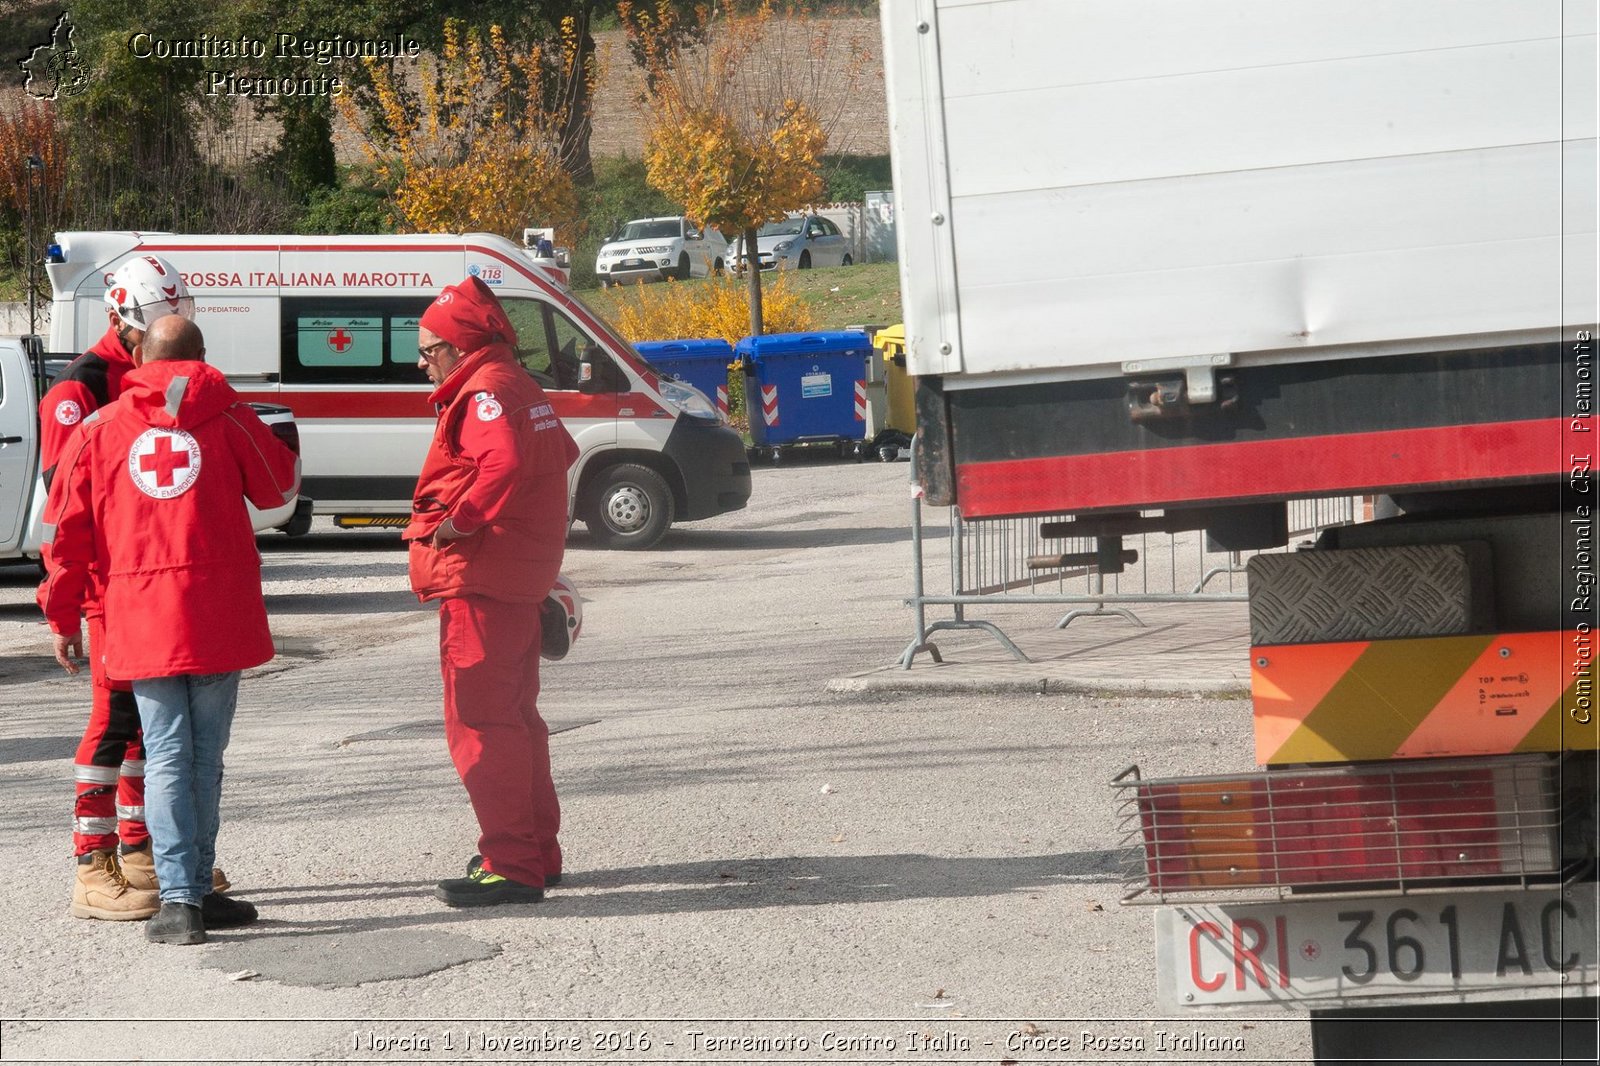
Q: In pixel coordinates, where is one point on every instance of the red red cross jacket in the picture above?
(152, 490)
(88, 383)
(497, 468)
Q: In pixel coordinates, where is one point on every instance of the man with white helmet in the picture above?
(109, 766)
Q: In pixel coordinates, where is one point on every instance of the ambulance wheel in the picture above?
(630, 507)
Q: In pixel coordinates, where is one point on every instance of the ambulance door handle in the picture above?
(10, 440)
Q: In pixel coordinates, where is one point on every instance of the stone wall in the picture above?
(862, 129)
(14, 319)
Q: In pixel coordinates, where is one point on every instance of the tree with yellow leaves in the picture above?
(742, 102)
(474, 141)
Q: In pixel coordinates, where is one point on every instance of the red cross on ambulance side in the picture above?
(164, 462)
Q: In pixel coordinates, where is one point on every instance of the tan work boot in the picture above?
(102, 892)
(139, 867)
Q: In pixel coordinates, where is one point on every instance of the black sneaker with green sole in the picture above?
(550, 880)
(484, 889)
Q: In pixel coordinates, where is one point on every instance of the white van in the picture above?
(327, 326)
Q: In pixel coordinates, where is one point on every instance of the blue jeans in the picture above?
(186, 722)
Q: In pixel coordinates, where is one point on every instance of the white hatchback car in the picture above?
(656, 248)
(798, 242)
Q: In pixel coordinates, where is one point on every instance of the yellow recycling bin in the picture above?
(900, 422)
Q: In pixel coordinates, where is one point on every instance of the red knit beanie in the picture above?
(469, 316)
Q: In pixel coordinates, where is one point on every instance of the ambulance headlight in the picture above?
(688, 399)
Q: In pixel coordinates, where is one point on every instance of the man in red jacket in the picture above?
(487, 531)
(150, 495)
(112, 883)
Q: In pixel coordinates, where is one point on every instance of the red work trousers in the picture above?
(489, 655)
(109, 766)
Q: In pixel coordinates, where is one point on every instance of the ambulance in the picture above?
(327, 326)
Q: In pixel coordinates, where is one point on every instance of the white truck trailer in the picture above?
(1183, 261)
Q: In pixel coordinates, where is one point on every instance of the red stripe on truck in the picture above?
(1308, 466)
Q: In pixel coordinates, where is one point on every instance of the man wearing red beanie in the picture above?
(488, 526)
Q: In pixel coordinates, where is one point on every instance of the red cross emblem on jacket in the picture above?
(164, 462)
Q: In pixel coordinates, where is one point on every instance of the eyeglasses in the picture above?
(427, 350)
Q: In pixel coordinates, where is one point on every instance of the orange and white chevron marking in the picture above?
(769, 404)
(1488, 694)
(861, 401)
(722, 401)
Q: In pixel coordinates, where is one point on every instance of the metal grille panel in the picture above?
(1369, 593)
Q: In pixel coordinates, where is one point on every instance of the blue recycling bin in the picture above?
(803, 387)
(702, 364)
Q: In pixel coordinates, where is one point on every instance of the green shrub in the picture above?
(849, 177)
(353, 207)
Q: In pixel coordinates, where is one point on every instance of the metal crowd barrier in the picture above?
(997, 561)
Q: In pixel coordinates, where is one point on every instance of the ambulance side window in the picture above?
(527, 318)
(557, 352)
(351, 341)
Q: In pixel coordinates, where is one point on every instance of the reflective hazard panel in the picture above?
(1485, 694)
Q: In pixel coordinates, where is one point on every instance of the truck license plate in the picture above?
(1318, 952)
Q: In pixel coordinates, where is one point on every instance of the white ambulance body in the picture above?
(327, 326)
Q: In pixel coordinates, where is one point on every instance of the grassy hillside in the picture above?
(863, 295)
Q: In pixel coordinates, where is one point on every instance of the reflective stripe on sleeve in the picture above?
(94, 825)
(47, 532)
(133, 768)
(130, 814)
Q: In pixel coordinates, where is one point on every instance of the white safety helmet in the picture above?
(147, 288)
(561, 620)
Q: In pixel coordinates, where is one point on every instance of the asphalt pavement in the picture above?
(780, 845)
